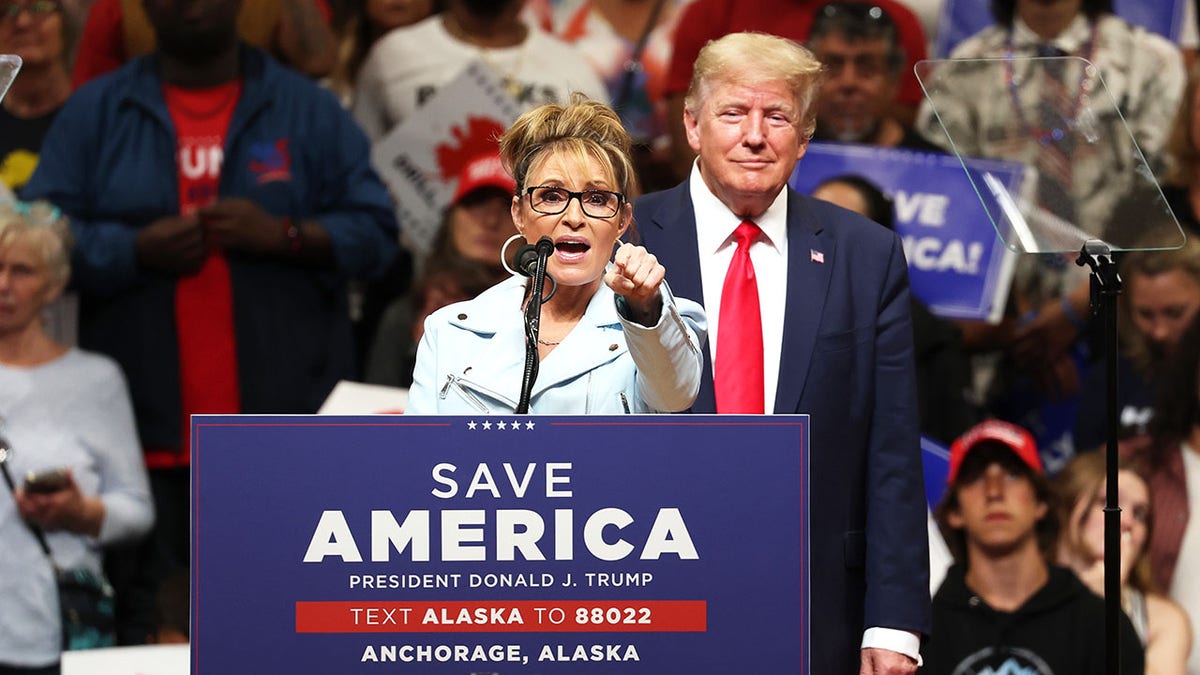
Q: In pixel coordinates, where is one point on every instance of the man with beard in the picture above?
(1002, 607)
(858, 45)
(408, 65)
(219, 203)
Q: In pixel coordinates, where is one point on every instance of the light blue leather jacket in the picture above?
(471, 358)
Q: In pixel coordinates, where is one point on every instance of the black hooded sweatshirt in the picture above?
(1058, 631)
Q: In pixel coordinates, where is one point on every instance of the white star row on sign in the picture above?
(500, 426)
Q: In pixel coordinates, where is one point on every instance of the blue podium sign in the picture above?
(521, 544)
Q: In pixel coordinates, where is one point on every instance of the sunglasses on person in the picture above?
(864, 11)
(554, 200)
(38, 9)
(860, 15)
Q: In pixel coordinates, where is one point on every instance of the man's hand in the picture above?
(636, 275)
(981, 336)
(886, 662)
(1059, 380)
(1092, 576)
(174, 245)
(1041, 341)
(240, 225)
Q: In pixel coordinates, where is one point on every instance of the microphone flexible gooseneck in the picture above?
(531, 260)
(526, 259)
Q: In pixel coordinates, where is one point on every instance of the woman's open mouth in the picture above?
(571, 249)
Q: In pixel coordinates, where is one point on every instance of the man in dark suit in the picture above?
(810, 308)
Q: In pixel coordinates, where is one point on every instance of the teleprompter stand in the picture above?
(1105, 287)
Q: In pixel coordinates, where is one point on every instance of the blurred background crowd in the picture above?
(218, 206)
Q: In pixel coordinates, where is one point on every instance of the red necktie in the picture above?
(738, 378)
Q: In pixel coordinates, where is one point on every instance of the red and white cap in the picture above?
(1013, 437)
(483, 171)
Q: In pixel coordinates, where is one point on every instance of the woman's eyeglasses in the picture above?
(38, 9)
(595, 203)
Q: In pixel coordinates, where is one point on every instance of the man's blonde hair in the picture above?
(755, 58)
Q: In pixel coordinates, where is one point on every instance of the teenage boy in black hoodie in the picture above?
(1002, 607)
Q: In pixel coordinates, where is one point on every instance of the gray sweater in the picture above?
(71, 412)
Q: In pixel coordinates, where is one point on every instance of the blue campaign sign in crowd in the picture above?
(957, 265)
(963, 18)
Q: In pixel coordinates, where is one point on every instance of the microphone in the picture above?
(531, 261)
(526, 260)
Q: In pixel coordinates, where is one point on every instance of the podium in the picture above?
(505, 544)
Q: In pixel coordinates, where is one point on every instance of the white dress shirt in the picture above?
(715, 224)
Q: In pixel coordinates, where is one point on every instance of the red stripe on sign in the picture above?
(521, 616)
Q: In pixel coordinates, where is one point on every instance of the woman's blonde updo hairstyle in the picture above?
(583, 128)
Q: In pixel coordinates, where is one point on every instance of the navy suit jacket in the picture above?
(847, 361)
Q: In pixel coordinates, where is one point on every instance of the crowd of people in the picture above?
(197, 220)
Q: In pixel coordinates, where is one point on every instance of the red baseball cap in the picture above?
(483, 171)
(1009, 435)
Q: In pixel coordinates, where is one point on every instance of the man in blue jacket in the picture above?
(219, 204)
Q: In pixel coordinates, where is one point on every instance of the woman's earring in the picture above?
(504, 253)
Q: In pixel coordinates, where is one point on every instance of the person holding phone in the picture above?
(612, 338)
(71, 444)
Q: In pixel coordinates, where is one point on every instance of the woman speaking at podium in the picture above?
(612, 338)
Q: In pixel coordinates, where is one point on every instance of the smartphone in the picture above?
(45, 482)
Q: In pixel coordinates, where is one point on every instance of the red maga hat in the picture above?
(483, 171)
(1009, 435)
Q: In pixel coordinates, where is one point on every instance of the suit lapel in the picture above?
(672, 239)
(807, 286)
(674, 243)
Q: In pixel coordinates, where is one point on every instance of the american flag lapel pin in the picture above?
(816, 256)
